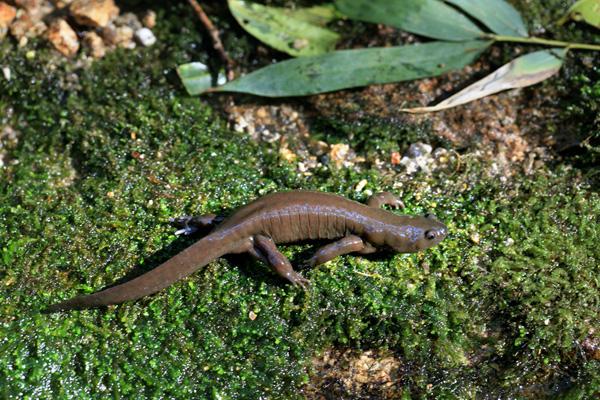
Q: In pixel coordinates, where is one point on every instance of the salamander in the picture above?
(279, 218)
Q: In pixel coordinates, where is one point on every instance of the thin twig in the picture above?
(214, 34)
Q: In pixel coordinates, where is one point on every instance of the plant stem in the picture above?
(214, 34)
(546, 42)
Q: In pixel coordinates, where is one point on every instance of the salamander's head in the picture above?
(418, 233)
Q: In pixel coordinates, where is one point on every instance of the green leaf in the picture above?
(316, 15)
(196, 77)
(296, 32)
(523, 71)
(431, 18)
(584, 10)
(352, 68)
(498, 15)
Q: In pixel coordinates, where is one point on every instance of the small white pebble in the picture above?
(302, 167)
(145, 37)
(6, 73)
(418, 150)
(360, 185)
(221, 79)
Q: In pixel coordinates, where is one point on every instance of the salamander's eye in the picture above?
(430, 235)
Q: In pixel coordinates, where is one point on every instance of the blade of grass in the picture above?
(431, 18)
(352, 68)
(523, 71)
(498, 15)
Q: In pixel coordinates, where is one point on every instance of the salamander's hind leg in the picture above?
(348, 244)
(384, 199)
(266, 250)
(189, 225)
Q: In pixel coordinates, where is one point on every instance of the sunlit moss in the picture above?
(107, 154)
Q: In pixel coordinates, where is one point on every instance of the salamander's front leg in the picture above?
(267, 251)
(384, 199)
(345, 245)
(189, 225)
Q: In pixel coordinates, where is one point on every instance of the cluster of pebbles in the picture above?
(70, 24)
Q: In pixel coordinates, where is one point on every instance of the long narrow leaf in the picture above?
(352, 68)
(498, 15)
(293, 32)
(431, 18)
(524, 71)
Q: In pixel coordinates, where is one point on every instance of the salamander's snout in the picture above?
(433, 233)
(413, 234)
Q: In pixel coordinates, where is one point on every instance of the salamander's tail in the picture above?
(183, 264)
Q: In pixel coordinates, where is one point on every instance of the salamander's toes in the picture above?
(298, 280)
(186, 231)
(189, 225)
(185, 225)
(397, 204)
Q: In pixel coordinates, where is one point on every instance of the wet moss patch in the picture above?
(106, 154)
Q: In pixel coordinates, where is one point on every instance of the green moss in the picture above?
(582, 117)
(107, 154)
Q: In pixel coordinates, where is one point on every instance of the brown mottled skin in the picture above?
(282, 218)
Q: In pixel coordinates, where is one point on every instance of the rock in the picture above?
(29, 5)
(21, 26)
(7, 14)
(94, 42)
(63, 37)
(41, 10)
(418, 158)
(95, 13)
(61, 3)
(26, 27)
(418, 150)
(121, 36)
(128, 19)
(149, 19)
(145, 37)
(109, 34)
(124, 37)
